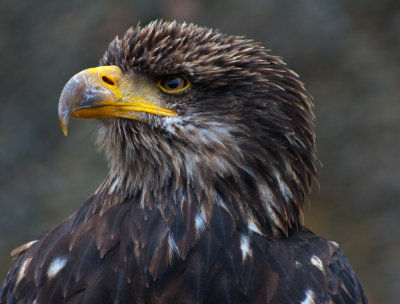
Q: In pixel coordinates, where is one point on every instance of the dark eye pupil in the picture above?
(174, 83)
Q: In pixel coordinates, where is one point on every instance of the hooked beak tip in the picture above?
(64, 117)
(65, 130)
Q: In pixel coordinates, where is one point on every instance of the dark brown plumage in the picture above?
(203, 200)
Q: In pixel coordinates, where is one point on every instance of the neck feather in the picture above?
(261, 195)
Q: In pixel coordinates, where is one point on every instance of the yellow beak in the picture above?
(103, 92)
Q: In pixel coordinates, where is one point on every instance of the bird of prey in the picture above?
(211, 151)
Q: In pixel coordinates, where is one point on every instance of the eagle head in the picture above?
(189, 111)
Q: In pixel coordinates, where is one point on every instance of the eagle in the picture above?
(210, 144)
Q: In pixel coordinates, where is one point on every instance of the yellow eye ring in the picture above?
(174, 84)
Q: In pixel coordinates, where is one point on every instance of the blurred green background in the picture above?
(347, 53)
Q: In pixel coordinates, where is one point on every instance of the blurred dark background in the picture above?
(347, 53)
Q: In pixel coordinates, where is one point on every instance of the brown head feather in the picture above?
(244, 132)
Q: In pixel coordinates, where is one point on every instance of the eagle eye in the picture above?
(173, 83)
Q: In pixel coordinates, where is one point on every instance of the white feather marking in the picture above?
(29, 244)
(172, 245)
(334, 244)
(17, 251)
(298, 264)
(269, 199)
(316, 261)
(309, 297)
(55, 266)
(114, 186)
(290, 172)
(272, 213)
(283, 187)
(266, 193)
(22, 270)
(253, 227)
(172, 121)
(245, 247)
(200, 221)
(221, 203)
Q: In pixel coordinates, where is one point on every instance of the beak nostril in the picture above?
(107, 80)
